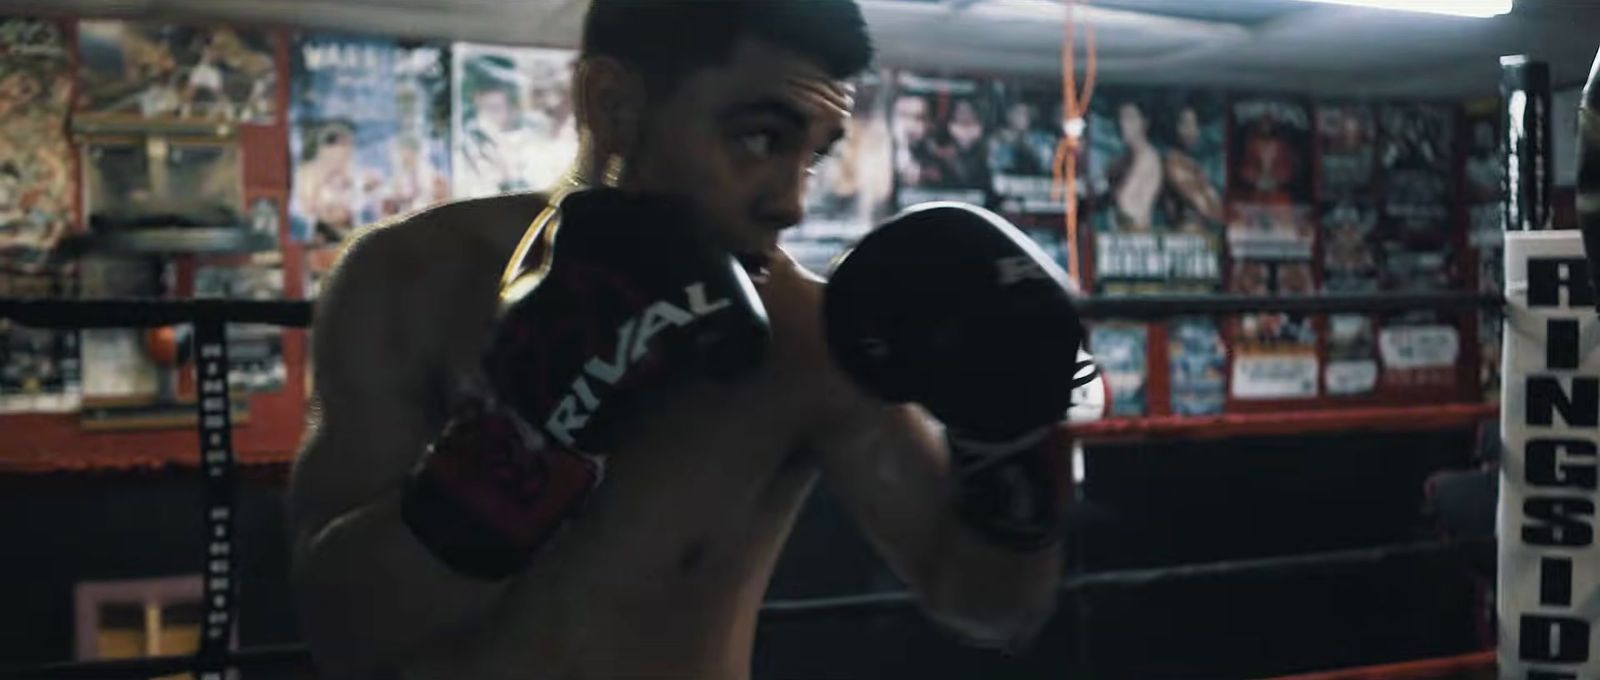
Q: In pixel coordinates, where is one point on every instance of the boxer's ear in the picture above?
(611, 102)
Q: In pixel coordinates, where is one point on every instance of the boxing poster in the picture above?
(1352, 355)
(940, 129)
(1274, 357)
(1156, 170)
(1121, 351)
(1198, 361)
(1419, 349)
(35, 154)
(1548, 593)
(151, 70)
(1270, 182)
(512, 120)
(38, 367)
(1022, 148)
(1417, 162)
(1350, 252)
(368, 134)
(1348, 139)
(850, 190)
(255, 351)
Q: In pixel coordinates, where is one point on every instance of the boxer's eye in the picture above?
(759, 144)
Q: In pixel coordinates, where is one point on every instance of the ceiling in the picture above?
(1236, 44)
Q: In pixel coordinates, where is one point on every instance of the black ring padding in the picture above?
(1167, 306)
(112, 313)
(296, 656)
(47, 313)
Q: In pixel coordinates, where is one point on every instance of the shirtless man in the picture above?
(723, 105)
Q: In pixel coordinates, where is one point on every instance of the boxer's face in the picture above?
(740, 140)
(1131, 120)
(1188, 129)
(965, 127)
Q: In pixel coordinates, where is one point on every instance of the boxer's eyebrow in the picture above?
(767, 106)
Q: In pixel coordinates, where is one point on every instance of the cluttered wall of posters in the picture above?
(850, 189)
(165, 71)
(512, 125)
(38, 367)
(1156, 179)
(368, 132)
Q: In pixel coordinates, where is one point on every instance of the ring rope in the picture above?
(140, 313)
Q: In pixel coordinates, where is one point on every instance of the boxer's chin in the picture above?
(756, 263)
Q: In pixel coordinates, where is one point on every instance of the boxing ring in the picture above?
(217, 467)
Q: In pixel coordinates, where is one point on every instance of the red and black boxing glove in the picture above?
(949, 306)
(633, 297)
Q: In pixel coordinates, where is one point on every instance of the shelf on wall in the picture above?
(1317, 421)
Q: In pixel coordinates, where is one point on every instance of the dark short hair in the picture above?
(665, 40)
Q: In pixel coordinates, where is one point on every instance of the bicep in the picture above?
(368, 416)
(888, 467)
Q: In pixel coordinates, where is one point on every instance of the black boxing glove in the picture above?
(630, 297)
(635, 294)
(950, 306)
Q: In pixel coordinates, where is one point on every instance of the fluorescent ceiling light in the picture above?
(1460, 8)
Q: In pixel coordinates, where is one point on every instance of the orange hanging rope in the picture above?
(1074, 111)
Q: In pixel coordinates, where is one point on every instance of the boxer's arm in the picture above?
(368, 593)
(889, 466)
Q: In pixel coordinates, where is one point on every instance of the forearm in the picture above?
(369, 590)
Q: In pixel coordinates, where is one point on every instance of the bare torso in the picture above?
(664, 573)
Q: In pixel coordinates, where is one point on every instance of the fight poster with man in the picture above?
(1270, 180)
(1155, 178)
(940, 130)
(1023, 146)
(852, 188)
(512, 120)
(368, 133)
(1347, 135)
(1350, 248)
(1418, 247)
(1346, 196)
(163, 71)
(38, 367)
(1352, 355)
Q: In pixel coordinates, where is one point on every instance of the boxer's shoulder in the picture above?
(794, 297)
(457, 233)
